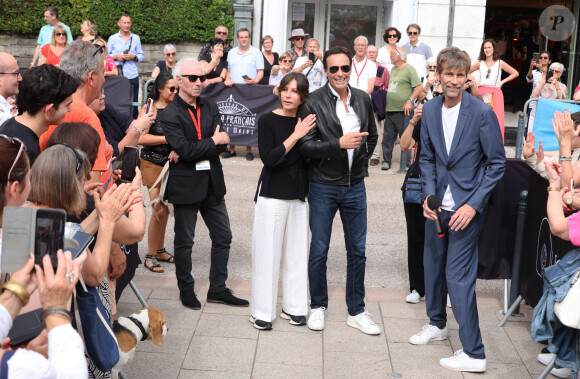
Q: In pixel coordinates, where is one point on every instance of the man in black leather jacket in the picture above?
(339, 146)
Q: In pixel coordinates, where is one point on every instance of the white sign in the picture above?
(299, 12)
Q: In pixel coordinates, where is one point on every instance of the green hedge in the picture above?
(153, 20)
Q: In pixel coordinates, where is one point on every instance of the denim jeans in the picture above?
(395, 125)
(351, 202)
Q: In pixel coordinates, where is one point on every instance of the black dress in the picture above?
(217, 70)
(268, 69)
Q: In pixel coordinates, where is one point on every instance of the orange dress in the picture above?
(51, 57)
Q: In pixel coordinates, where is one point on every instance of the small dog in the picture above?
(146, 323)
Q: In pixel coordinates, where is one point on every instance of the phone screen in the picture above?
(49, 235)
(549, 75)
(537, 57)
(130, 158)
(431, 75)
(149, 105)
(311, 56)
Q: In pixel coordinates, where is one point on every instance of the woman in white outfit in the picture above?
(391, 36)
(281, 212)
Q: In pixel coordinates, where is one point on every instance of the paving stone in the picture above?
(176, 315)
(218, 325)
(337, 311)
(153, 366)
(353, 365)
(225, 309)
(404, 310)
(400, 330)
(191, 374)
(277, 347)
(338, 336)
(176, 341)
(500, 371)
(279, 371)
(421, 361)
(128, 296)
(498, 346)
(220, 354)
(164, 294)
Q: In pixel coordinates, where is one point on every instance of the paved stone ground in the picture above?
(219, 342)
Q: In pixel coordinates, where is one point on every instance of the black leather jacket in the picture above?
(329, 163)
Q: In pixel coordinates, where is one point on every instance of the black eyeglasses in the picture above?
(193, 78)
(488, 73)
(556, 71)
(80, 160)
(544, 57)
(59, 34)
(392, 36)
(433, 67)
(22, 148)
(286, 61)
(17, 73)
(299, 38)
(334, 69)
(172, 89)
(412, 33)
(171, 54)
(99, 49)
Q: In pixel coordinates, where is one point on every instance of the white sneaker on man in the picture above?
(429, 333)
(364, 323)
(316, 319)
(414, 297)
(560, 372)
(462, 362)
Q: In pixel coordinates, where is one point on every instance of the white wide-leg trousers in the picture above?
(280, 233)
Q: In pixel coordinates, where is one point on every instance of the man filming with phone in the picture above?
(196, 183)
(462, 158)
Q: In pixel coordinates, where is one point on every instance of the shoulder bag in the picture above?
(568, 310)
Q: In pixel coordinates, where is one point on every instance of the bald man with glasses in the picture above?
(9, 79)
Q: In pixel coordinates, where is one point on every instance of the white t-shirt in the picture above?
(449, 119)
(316, 77)
(361, 72)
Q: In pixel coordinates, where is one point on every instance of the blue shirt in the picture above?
(244, 64)
(117, 45)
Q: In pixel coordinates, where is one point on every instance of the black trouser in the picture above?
(215, 216)
(415, 242)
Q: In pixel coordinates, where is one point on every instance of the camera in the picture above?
(126, 52)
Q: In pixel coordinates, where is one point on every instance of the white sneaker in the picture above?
(545, 358)
(363, 322)
(562, 372)
(316, 319)
(429, 333)
(413, 297)
(448, 301)
(462, 362)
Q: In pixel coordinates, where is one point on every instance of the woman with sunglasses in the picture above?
(154, 156)
(51, 52)
(280, 70)
(538, 69)
(391, 36)
(280, 230)
(110, 67)
(169, 52)
(490, 67)
(271, 59)
(214, 63)
(548, 88)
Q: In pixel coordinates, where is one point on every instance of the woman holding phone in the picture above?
(154, 156)
(281, 213)
(490, 67)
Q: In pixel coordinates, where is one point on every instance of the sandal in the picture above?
(167, 260)
(154, 264)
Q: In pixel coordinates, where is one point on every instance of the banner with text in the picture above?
(240, 107)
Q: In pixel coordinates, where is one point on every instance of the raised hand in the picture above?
(529, 145)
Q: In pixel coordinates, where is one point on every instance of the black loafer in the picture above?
(226, 297)
(228, 154)
(249, 157)
(261, 325)
(189, 300)
(294, 320)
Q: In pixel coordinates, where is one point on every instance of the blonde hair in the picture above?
(284, 55)
(56, 183)
(58, 28)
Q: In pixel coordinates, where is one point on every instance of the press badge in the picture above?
(202, 165)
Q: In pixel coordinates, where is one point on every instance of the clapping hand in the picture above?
(564, 126)
(529, 143)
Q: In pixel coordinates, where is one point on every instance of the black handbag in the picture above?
(412, 191)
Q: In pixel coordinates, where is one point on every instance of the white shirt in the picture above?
(449, 119)
(316, 77)
(361, 72)
(349, 121)
(5, 110)
(489, 76)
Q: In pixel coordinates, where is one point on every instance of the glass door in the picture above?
(305, 14)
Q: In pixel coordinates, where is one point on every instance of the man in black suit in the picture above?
(196, 183)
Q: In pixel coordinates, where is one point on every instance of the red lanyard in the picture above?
(195, 122)
(356, 71)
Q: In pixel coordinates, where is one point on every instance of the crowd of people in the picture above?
(338, 113)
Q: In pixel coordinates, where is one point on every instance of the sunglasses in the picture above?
(433, 67)
(299, 38)
(287, 61)
(80, 160)
(193, 78)
(412, 33)
(543, 57)
(392, 36)
(22, 148)
(334, 69)
(171, 54)
(17, 73)
(59, 34)
(172, 89)
(222, 33)
(556, 71)
(99, 49)
(488, 73)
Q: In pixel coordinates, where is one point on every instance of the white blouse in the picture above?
(490, 76)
